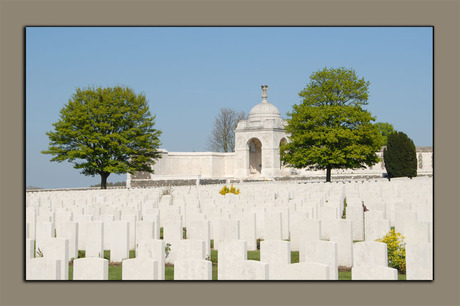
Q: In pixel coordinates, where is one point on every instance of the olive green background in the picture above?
(443, 15)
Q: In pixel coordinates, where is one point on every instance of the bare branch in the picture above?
(222, 136)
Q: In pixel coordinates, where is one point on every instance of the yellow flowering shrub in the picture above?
(396, 250)
(226, 190)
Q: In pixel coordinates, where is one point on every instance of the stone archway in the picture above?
(282, 142)
(255, 156)
(283, 170)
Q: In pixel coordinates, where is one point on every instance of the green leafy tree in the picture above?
(385, 128)
(104, 131)
(329, 129)
(400, 156)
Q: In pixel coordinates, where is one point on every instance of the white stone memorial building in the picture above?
(256, 156)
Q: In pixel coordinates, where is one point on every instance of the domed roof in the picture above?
(264, 109)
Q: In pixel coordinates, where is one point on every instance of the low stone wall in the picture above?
(192, 182)
(161, 183)
(212, 181)
(179, 182)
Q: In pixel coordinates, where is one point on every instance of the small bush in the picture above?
(396, 250)
(226, 190)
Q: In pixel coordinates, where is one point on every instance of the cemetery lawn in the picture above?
(115, 269)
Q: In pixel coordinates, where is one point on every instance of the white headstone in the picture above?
(328, 217)
(44, 231)
(226, 230)
(56, 248)
(342, 233)
(93, 268)
(155, 218)
(30, 249)
(367, 272)
(275, 252)
(230, 251)
(308, 230)
(69, 230)
(82, 221)
(356, 215)
(370, 253)
(404, 217)
(299, 271)
(190, 249)
(94, 239)
(42, 268)
(419, 261)
(119, 241)
(107, 220)
(417, 232)
(248, 270)
(145, 230)
(376, 229)
(139, 269)
(200, 230)
(153, 249)
(273, 226)
(324, 252)
(131, 219)
(31, 218)
(192, 269)
(248, 229)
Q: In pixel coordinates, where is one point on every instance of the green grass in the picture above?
(295, 257)
(115, 272)
(254, 255)
(345, 275)
(169, 272)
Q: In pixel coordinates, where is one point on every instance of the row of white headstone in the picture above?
(318, 262)
(301, 219)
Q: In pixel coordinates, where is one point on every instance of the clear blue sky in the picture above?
(189, 73)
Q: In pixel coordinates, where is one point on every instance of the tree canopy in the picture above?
(385, 128)
(222, 136)
(400, 156)
(105, 130)
(329, 129)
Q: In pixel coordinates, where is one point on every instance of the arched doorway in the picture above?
(255, 156)
(283, 141)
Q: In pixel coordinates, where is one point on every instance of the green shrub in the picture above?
(400, 156)
(396, 250)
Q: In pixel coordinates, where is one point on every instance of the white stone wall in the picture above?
(236, 165)
(377, 169)
(193, 164)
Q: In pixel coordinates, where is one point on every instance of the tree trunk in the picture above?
(328, 174)
(104, 176)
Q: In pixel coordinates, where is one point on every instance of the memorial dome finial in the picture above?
(264, 93)
(264, 110)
